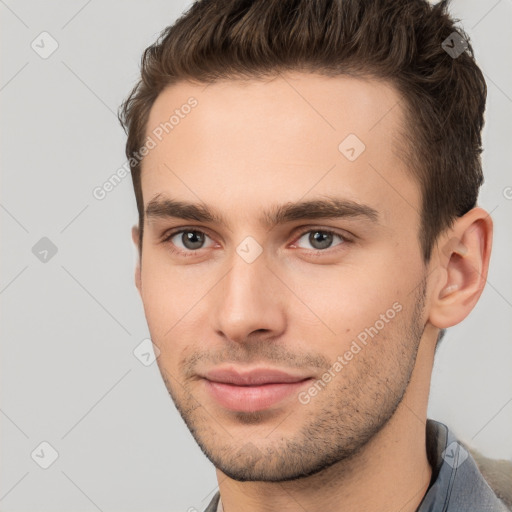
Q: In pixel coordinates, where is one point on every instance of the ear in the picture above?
(463, 257)
(135, 238)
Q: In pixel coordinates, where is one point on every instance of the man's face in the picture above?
(226, 298)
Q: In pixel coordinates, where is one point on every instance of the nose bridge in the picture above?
(248, 297)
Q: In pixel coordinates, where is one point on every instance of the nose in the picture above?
(249, 299)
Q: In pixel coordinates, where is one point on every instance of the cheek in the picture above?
(367, 308)
(346, 301)
(162, 297)
(167, 288)
(173, 303)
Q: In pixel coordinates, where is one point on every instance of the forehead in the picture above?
(244, 143)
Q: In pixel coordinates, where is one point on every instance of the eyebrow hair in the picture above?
(329, 207)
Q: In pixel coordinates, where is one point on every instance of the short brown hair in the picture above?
(400, 41)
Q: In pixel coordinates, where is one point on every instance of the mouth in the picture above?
(253, 390)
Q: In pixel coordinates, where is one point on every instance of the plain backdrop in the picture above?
(70, 323)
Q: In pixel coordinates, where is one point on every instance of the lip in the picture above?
(251, 390)
(254, 377)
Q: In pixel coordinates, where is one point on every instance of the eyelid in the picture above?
(347, 236)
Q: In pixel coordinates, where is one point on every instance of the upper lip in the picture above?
(253, 377)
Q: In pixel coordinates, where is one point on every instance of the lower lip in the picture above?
(252, 398)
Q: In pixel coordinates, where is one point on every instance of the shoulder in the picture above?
(497, 473)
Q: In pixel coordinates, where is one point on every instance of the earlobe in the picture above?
(464, 260)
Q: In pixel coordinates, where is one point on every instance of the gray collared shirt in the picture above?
(456, 485)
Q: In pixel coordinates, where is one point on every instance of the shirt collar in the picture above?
(456, 482)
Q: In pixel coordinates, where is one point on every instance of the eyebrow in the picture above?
(328, 207)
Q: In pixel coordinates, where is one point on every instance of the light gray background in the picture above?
(70, 325)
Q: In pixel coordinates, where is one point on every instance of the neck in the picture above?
(391, 472)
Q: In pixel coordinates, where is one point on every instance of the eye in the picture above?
(321, 239)
(186, 240)
(189, 242)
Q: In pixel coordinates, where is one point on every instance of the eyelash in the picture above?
(191, 253)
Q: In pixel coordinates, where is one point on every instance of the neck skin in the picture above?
(391, 472)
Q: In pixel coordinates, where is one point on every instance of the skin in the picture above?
(359, 444)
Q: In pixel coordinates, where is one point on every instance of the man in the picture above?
(306, 175)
